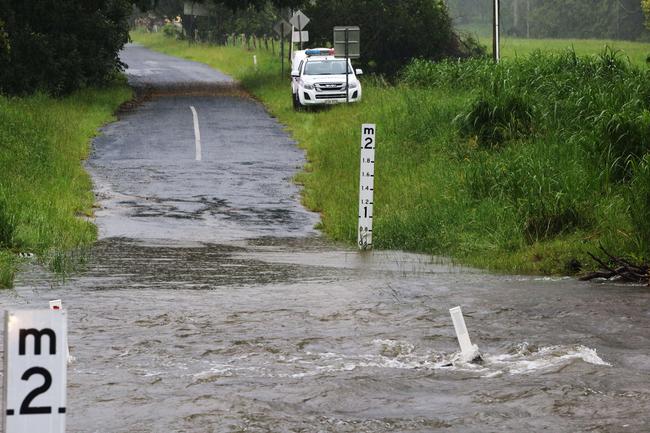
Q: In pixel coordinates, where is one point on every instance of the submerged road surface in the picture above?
(210, 304)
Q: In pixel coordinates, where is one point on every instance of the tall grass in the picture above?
(574, 131)
(523, 167)
(45, 193)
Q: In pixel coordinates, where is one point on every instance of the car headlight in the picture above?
(354, 85)
(308, 86)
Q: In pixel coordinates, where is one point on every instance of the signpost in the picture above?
(299, 20)
(282, 28)
(347, 40)
(35, 371)
(302, 36)
(366, 185)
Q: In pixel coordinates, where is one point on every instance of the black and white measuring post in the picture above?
(35, 371)
(366, 185)
(468, 352)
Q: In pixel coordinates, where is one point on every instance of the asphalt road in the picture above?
(210, 303)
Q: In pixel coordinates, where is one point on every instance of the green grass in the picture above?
(45, 193)
(520, 168)
(637, 52)
(512, 47)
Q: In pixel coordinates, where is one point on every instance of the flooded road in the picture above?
(210, 304)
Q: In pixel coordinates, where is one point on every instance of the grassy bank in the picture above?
(522, 167)
(44, 191)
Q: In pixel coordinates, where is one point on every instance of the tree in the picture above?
(5, 48)
(60, 45)
(645, 5)
(392, 32)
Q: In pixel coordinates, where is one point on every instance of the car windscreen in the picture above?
(325, 67)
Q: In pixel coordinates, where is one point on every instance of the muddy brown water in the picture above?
(210, 304)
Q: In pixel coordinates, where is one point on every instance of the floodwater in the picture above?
(210, 304)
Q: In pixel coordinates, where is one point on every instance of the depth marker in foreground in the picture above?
(35, 371)
(366, 185)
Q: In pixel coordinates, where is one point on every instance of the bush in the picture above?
(639, 200)
(60, 45)
(493, 120)
(171, 31)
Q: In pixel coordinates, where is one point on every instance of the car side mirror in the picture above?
(358, 72)
(295, 74)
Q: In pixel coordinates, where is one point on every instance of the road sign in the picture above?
(347, 41)
(282, 28)
(366, 185)
(299, 20)
(35, 361)
(195, 9)
(302, 36)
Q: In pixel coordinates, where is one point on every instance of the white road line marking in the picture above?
(197, 133)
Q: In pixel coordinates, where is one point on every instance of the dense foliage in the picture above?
(563, 140)
(391, 32)
(60, 45)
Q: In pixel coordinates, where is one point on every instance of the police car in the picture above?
(318, 78)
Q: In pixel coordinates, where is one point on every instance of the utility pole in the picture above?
(528, 19)
(515, 14)
(496, 35)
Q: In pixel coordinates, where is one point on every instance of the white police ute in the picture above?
(319, 78)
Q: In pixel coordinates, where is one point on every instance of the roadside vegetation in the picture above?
(637, 53)
(45, 193)
(521, 167)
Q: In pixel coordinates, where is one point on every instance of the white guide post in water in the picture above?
(57, 304)
(468, 351)
(366, 185)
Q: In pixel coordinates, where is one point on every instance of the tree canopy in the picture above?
(392, 32)
(60, 45)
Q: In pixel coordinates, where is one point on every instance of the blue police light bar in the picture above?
(320, 52)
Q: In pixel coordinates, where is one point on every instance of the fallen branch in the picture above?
(617, 267)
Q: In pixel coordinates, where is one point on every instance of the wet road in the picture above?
(211, 305)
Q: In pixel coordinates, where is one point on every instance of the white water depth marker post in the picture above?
(366, 185)
(468, 351)
(197, 134)
(35, 371)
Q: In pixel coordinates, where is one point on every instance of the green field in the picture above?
(477, 162)
(45, 193)
(511, 47)
(637, 52)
